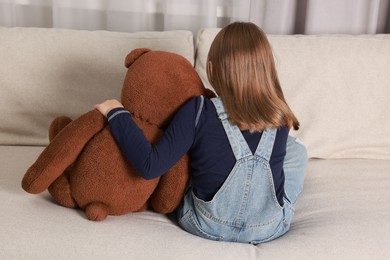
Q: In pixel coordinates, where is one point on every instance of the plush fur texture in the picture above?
(83, 166)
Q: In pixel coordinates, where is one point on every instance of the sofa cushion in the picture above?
(342, 213)
(51, 72)
(337, 85)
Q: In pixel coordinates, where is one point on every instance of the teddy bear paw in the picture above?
(96, 211)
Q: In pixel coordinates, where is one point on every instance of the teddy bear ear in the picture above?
(135, 54)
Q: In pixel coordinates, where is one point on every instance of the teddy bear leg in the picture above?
(60, 188)
(60, 191)
(96, 211)
(143, 208)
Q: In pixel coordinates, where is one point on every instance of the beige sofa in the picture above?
(339, 87)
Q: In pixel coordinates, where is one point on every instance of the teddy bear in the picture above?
(83, 167)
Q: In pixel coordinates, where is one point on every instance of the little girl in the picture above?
(246, 172)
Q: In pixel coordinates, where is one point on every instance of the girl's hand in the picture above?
(107, 106)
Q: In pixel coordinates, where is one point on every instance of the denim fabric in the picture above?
(245, 209)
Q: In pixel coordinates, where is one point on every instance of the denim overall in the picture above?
(245, 209)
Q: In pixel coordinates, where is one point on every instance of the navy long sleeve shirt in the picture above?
(211, 157)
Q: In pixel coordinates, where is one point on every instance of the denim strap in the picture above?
(266, 144)
(236, 139)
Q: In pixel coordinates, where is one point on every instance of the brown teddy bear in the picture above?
(83, 167)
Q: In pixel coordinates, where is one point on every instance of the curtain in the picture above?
(274, 16)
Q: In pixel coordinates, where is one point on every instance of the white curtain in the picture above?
(274, 16)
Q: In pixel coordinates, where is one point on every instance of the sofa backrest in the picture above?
(337, 85)
(45, 73)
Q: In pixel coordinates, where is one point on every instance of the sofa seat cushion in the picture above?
(342, 214)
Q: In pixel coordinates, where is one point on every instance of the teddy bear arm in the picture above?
(62, 151)
(171, 188)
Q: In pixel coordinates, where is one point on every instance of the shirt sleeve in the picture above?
(152, 161)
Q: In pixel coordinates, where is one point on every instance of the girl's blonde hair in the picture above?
(243, 73)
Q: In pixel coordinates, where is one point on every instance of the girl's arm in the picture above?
(149, 160)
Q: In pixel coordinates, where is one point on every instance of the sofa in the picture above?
(338, 86)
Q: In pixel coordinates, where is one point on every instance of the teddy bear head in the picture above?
(161, 79)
